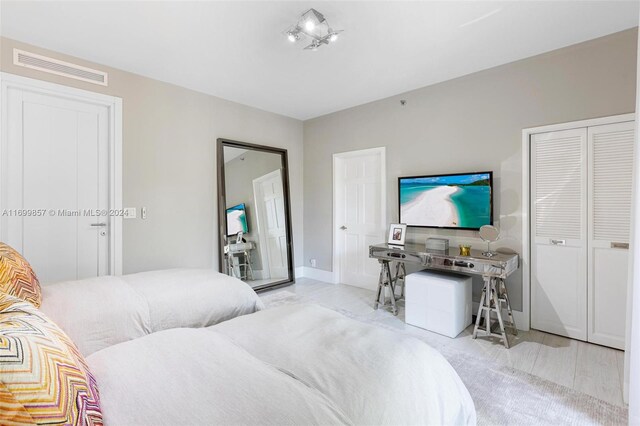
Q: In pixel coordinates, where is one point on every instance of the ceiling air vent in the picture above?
(54, 66)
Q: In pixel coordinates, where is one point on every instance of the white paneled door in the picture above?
(55, 183)
(581, 187)
(360, 203)
(269, 198)
(610, 179)
(558, 232)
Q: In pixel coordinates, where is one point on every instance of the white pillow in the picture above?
(96, 312)
(193, 297)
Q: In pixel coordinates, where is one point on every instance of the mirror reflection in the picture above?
(489, 234)
(256, 240)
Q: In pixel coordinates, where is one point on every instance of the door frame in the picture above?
(264, 248)
(526, 198)
(337, 204)
(114, 107)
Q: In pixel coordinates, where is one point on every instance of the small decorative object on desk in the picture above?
(465, 250)
(437, 244)
(489, 234)
(397, 234)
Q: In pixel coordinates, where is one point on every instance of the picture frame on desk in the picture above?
(397, 234)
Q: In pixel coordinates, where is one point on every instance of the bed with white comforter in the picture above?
(100, 312)
(296, 364)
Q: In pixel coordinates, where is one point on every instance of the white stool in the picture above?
(438, 301)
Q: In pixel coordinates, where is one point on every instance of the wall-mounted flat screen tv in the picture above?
(237, 220)
(455, 201)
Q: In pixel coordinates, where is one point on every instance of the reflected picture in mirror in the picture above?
(253, 186)
(237, 220)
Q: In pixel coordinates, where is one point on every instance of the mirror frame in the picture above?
(222, 202)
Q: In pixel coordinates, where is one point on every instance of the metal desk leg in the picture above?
(250, 268)
(491, 301)
(503, 296)
(380, 286)
(487, 310)
(480, 311)
(392, 291)
(499, 315)
(385, 281)
(401, 274)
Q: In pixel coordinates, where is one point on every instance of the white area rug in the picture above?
(503, 395)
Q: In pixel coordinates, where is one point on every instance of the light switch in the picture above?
(130, 213)
(143, 212)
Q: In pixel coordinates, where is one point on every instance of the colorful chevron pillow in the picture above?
(17, 277)
(43, 377)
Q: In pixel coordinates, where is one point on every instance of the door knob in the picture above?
(343, 227)
(99, 224)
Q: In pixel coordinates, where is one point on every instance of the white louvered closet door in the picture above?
(559, 232)
(610, 174)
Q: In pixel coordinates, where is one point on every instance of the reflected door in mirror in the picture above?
(269, 195)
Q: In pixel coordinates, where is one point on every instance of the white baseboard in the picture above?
(315, 274)
(518, 317)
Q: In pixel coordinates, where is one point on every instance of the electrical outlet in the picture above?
(313, 263)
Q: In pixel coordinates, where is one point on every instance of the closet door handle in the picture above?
(620, 245)
(558, 242)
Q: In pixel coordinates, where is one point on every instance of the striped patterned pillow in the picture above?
(43, 377)
(17, 278)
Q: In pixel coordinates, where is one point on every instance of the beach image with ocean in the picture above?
(458, 201)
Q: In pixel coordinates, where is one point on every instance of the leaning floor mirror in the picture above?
(254, 214)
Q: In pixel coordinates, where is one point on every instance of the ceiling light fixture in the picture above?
(314, 26)
(309, 25)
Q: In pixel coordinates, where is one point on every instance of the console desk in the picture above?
(494, 270)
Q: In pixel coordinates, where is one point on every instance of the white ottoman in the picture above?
(438, 302)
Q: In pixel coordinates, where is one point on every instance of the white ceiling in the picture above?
(236, 50)
(230, 153)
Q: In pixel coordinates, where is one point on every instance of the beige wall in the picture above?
(469, 124)
(169, 161)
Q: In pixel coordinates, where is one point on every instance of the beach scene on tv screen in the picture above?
(460, 201)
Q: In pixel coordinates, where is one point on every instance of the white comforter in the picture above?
(99, 312)
(299, 364)
(376, 376)
(196, 377)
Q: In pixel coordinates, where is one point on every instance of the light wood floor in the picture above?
(588, 368)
